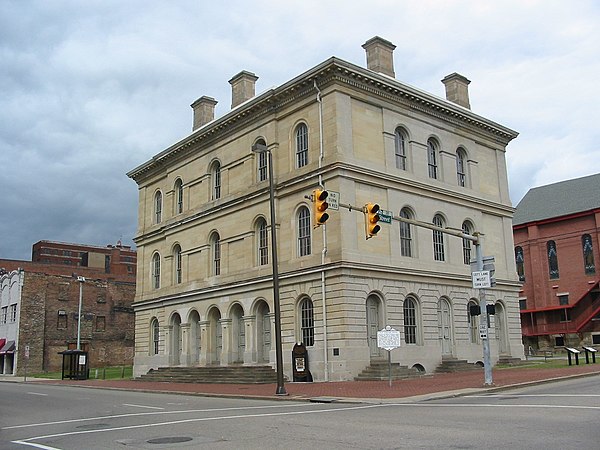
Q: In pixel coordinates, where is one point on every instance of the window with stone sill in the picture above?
(100, 323)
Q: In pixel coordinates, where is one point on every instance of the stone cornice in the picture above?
(331, 71)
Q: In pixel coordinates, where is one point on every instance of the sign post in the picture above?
(388, 339)
(26, 361)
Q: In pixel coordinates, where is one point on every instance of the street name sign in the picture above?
(385, 216)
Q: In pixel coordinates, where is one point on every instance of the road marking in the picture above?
(37, 393)
(32, 444)
(532, 395)
(142, 406)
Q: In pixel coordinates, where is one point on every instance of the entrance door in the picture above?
(445, 326)
(176, 340)
(373, 325)
(263, 329)
(500, 330)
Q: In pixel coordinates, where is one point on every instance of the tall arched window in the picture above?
(158, 207)
(439, 253)
(177, 264)
(467, 228)
(216, 181)
(520, 262)
(432, 158)
(155, 336)
(552, 259)
(588, 254)
(301, 145)
(303, 231)
(460, 167)
(405, 234)
(263, 242)
(156, 271)
(307, 322)
(263, 157)
(178, 196)
(409, 310)
(400, 148)
(215, 244)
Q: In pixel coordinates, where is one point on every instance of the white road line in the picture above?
(532, 395)
(32, 444)
(189, 411)
(143, 406)
(37, 393)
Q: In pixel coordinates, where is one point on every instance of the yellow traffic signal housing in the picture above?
(371, 219)
(320, 206)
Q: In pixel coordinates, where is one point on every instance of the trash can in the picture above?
(75, 365)
(300, 363)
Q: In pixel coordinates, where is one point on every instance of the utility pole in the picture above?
(483, 319)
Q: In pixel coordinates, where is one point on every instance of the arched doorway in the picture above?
(500, 329)
(238, 334)
(445, 326)
(216, 336)
(176, 340)
(263, 330)
(374, 324)
(194, 338)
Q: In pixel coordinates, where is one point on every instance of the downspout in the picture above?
(324, 251)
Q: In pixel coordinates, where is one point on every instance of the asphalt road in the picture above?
(560, 415)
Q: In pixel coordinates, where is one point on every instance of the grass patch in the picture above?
(102, 373)
(539, 364)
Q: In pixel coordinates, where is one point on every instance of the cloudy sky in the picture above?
(91, 89)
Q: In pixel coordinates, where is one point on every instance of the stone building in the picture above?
(204, 284)
(39, 306)
(557, 233)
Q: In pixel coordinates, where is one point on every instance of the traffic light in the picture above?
(371, 219)
(320, 206)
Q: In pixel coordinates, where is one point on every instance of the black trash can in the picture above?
(75, 365)
(300, 363)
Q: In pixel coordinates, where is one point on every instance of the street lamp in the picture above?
(81, 280)
(262, 148)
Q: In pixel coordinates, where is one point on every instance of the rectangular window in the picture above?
(405, 239)
(61, 323)
(100, 323)
(262, 166)
(304, 233)
(563, 299)
(308, 324)
(4, 316)
(522, 304)
(559, 341)
(596, 339)
(13, 313)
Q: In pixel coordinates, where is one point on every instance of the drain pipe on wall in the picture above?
(324, 251)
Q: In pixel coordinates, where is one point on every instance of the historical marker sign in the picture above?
(388, 338)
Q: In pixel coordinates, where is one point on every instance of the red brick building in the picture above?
(557, 237)
(47, 303)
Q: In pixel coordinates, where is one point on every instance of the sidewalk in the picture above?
(432, 386)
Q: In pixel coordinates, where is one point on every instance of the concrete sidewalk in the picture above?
(427, 387)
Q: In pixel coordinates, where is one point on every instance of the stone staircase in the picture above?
(379, 370)
(510, 361)
(451, 365)
(213, 374)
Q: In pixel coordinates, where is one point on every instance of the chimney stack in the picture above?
(242, 87)
(457, 89)
(204, 111)
(380, 55)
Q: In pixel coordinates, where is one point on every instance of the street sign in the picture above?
(333, 200)
(385, 216)
(481, 279)
(483, 331)
(27, 351)
(388, 338)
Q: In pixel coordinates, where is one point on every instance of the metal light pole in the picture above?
(81, 280)
(261, 148)
(487, 363)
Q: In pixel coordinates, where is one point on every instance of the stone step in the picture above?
(452, 365)
(213, 374)
(380, 370)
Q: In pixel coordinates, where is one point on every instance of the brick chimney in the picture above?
(457, 89)
(242, 87)
(380, 55)
(204, 111)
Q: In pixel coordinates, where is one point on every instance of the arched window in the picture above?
(410, 320)
(307, 322)
(400, 148)
(263, 157)
(216, 181)
(520, 262)
(178, 196)
(303, 231)
(156, 271)
(460, 167)
(439, 253)
(158, 207)
(263, 242)
(473, 322)
(301, 145)
(154, 326)
(405, 234)
(177, 264)
(216, 253)
(588, 254)
(552, 259)
(432, 158)
(467, 228)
